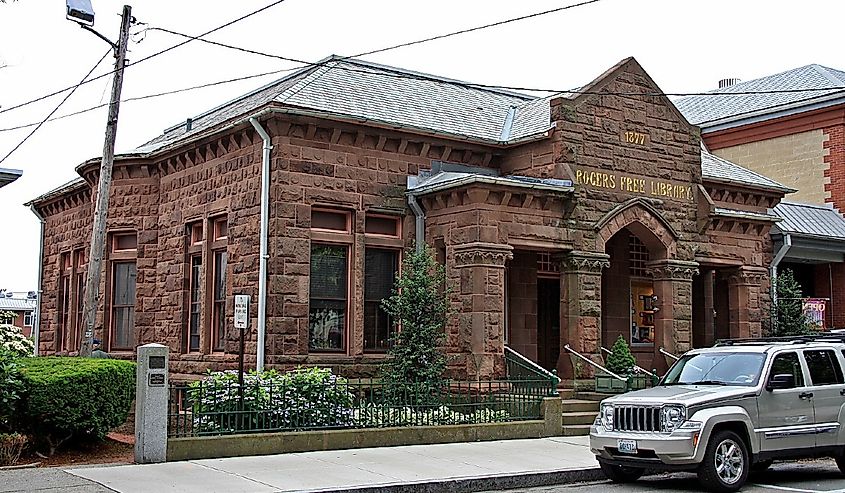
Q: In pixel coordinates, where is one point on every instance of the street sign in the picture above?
(241, 311)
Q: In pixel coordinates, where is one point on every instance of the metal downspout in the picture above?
(262, 254)
(36, 322)
(781, 253)
(420, 222)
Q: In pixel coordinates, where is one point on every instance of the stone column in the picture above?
(744, 311)
(481, 268)
(673, 319)
(580, 308)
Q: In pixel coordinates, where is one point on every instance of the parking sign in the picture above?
(241, 311)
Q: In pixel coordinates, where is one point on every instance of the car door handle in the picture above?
(805, 395)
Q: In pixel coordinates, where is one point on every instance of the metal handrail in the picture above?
(591, 362)
(534, 366)
(667, 353)
(636, 366)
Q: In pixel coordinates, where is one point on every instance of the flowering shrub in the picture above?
(13, 340)
(300, 399)
(379, 416)
(11, 387)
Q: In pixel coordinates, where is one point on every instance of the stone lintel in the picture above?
(585, 262)
(670, 269)
(481, 254)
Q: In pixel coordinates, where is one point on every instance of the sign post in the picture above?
(241, 323)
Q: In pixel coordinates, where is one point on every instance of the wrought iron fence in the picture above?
(208, 407)
(522, 371)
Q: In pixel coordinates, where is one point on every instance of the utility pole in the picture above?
(97, 247)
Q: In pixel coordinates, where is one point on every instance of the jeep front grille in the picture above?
(634, 418)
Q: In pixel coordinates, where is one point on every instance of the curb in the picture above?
(482, 483)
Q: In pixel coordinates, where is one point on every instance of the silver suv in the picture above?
(729, 409)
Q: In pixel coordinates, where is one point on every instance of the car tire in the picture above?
(621, 474)
(840, 461)
(726, 463)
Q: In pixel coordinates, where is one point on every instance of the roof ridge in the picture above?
(825, 71)
(828, 207)
(431, 77)
(291, 91)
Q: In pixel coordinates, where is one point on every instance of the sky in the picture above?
(686, 46)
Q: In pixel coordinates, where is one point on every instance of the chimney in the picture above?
(728, 83)
(189, 123)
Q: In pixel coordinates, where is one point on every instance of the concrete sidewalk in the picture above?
(450, 467)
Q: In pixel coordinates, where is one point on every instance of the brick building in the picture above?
(569, 219)
(22, 310)
(796, 138)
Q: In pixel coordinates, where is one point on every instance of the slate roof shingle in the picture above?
(715, 168)
(704, 110)
(821, 221)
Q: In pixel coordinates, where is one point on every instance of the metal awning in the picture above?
(809, 233)
(9, 175)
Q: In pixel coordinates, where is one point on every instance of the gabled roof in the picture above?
(819, 221)
(720, 170)
(390, 96)
(707, 111)
(17, 304)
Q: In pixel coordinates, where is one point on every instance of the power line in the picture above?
(474, 85)
(150, 96)
(177, 45)
(73, 90)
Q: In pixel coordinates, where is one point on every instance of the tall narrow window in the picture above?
(65, 276)
(121, 291)
(195, 304)
(328, 298)
(123, 305)
(220, 231)
(380, 268)
(27, 319)
(78, 298)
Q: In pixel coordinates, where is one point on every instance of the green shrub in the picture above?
(790, 319)
(11, 387)
(13, 340)
(621, 361)
(300, 399)
(80, 398)
(414, 373)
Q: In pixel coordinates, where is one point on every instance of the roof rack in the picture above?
(798, 339)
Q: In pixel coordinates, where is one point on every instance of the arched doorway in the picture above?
(629, 302)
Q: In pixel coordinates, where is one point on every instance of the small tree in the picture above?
(414, 373)
(790, 318)
(621, 361)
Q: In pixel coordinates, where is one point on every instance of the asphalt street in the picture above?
(805, 477)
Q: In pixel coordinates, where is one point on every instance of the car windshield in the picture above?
(716, 368)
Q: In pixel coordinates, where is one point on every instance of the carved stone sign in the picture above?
(622, 182)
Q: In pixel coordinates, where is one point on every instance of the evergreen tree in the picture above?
(622, 360)
(414, 372)
(790, 318)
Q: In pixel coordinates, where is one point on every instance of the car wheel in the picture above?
(621, 474)
(762, 465)
(725, 465)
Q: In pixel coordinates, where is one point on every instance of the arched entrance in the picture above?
(629, 302)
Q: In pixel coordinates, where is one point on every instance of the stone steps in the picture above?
(579, 406)
(575, 430)
(579, 418)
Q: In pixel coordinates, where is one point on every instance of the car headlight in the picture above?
(606, 416)
(671, 417)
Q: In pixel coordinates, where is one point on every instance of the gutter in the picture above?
(36, 322)
(779, 255)
(419, 216)
(262, 263)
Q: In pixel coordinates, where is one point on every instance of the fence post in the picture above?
(151, 396)
(551, 408)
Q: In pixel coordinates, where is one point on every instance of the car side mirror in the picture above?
(781, 381)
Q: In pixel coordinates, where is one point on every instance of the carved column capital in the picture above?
(482, 254)
(676, 270)
(585, 262)
(749, 276)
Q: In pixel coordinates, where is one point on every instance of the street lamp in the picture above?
(80, 11)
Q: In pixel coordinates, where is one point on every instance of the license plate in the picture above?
(627, 446)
